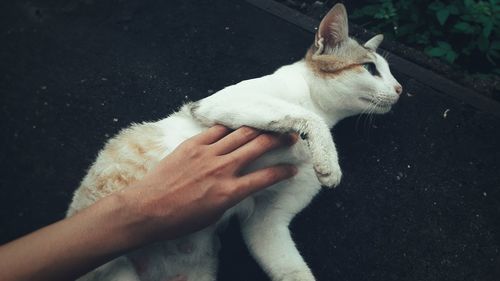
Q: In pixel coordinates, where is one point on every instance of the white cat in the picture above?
(337, 78)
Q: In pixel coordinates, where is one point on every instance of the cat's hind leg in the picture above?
(266, 231)
(189, 258)
(119, 269)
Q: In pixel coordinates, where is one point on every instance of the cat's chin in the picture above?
(376, 106)
(383, 110)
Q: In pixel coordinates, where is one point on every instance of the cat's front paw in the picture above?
(329, 174)
(304, 275)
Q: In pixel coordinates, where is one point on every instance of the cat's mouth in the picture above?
(378, 103)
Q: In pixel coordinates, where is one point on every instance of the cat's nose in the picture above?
(399, 89)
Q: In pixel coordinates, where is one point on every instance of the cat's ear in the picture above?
(333, 28)
(373, 43)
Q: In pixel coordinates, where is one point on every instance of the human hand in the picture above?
(188, 190)
(193, 186)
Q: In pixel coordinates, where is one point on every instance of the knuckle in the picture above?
(189, 143)
(220, 128)
(222, 195)
(248, 131)
(191, 150)
(272, 175)
(221, 168)
(217, 171)
(233, 161)
(228, 162)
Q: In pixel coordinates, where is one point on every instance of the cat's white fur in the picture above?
(307, 97)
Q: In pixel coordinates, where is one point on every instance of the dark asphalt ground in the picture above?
(420, 197)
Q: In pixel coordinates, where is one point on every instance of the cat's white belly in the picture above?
(195, 256)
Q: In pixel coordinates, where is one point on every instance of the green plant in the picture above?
(465, 32)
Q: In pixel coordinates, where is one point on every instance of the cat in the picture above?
(337, 78)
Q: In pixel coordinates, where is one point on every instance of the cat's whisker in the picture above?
(371, 114)
(363, 114)
(356, 126)
(366, 116)
(385, 55)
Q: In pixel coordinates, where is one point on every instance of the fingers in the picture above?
(235, 139)
(250, 183)
(258, 146)
(212, 135)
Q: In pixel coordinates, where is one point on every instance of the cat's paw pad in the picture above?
(328, 175)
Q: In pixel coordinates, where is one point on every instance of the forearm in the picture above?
(170, 201)
(71, 247)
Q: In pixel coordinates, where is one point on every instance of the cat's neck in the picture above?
(305, 89)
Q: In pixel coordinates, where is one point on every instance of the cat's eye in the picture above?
(370, 66)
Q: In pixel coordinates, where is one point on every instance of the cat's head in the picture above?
(349, 76)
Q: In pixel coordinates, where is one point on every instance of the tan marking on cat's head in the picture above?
(333, 51)
(329, 66)
(344, 77)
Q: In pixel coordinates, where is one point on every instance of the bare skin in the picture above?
(188, 190)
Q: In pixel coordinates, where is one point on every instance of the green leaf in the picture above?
(488, 27)
(435, 52)
(490, 59)
(368, 10)
(436, 33)
(495, 45)
(453, 9)
(414, 17)
(444, 45)
(464, 27)
(380, 15)
(422, 38)
(451, 56)
(442, 16)
(483, 43)
(494, 54)
(436, 6)
(405, 29)
(482, 18)
(467, 50)
(468, 3)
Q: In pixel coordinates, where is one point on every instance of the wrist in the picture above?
(129, 211)
(120, 212)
